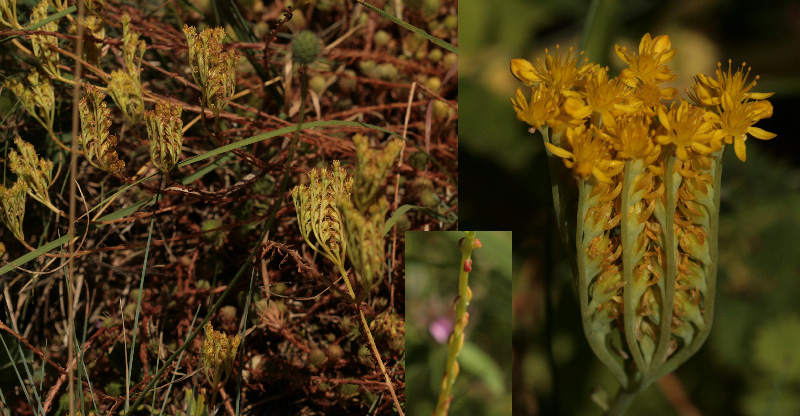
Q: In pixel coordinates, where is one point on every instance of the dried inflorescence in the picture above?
(36, 172)
(219, 355)
(98, 145)
(213, 70)
(125, 86)
(38, 97)
(8, 14)
(12, 208)
(341, 226)
(43, 45)
(647, 166)
(165, 129)
(390, 327)
(317, 212)
(365, 216)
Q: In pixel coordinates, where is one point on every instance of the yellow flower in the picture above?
(633, 139)
(649, 66)
(736, 121)
(590, 155)
(557, 72)
(604, 97)
(708, 91)
(690, 129)
(542, 109)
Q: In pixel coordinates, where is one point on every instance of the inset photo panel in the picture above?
(458, 322)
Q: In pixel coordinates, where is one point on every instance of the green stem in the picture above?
(457, 337)
(672, 183)
(629, 236)
(711, 281)
(370, 340)
(622, 402)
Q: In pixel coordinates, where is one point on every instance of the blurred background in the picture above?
(750, 364)
(483, 386)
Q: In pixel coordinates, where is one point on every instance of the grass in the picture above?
(154, 262)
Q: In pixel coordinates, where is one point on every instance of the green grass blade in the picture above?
(403, 209)
(139, 300)
(178, 363)
(410, 27)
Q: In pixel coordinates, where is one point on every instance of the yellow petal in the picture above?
(524, 71)
(662, 117)
(701, 148)
(644, 42)
(623, 54)
(760, 95)
(564, 154)
(682, 154)
(661, 44)
(576, 108)
(740, 149)
(760, 133)
(600, 175)
(669, 93)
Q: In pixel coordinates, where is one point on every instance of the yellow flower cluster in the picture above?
(597, 122)
(648, 167)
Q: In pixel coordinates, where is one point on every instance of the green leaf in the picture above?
(397, 214)
(403, 209)
(482, 365)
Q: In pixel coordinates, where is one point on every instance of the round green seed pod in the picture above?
(451, 22)
(430, 8)
(334, 353)
(450, 59)
(348, 82)
(433, 84)
(306, 47)
(435, 55)
(382, 38)
(440, 110)
(317, 357)
(317, 83)
(387, 72)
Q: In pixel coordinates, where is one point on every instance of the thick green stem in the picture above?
(457, 337)
(711, 280)
(622, 402)
(630, 230)
(672, 183)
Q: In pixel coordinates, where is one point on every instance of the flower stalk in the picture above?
(645, 169)
(347, 222)
(456, 340)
